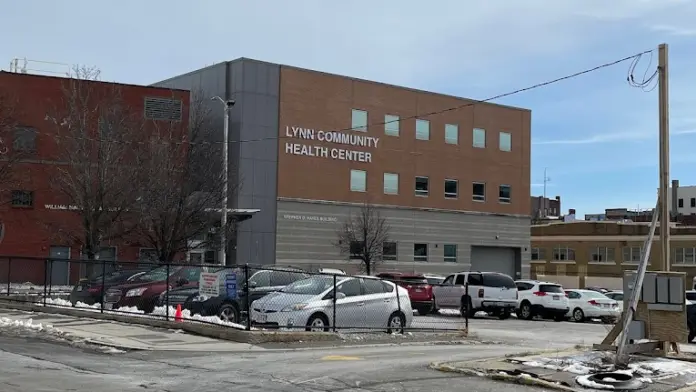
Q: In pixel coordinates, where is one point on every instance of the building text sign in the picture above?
(314, 218)
(343, 154)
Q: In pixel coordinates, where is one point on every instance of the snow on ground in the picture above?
(28, 287)
(159, 312)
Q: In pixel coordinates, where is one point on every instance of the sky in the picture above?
(595, 135)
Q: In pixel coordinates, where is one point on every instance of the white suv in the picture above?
(491, 292)
(545, 299)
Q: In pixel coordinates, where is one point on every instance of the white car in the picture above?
(361, 302)
(618, 296)
(490, 292)
(589, 304)
(545, 299)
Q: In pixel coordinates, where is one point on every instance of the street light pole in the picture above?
(225, 164)
(663, 86)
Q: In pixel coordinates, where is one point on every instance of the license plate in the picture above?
(606, 305)
(419, 291)
(79, 288)
(262, 318)
(556, 297)
(108, 306)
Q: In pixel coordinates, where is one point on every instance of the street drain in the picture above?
(614, 380)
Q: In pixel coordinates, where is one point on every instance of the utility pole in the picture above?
(663, 85)
(223, 220)
(546, 207)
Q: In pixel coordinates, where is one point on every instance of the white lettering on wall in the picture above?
(314, 218)
(334, 137)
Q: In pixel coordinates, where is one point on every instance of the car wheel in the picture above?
(229, 313)
(434, 309)
(578, 315)
(396, 323)
(526, 311)
(317, 323)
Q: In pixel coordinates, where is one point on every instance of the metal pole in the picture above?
(663, 83)
(544, 214)
(223, 221)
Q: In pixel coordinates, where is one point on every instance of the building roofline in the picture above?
(29, 75)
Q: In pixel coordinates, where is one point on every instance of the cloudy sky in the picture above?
(595, 134)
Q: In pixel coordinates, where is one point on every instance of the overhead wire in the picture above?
(647, 84)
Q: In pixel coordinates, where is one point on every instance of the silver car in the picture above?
(361, 302)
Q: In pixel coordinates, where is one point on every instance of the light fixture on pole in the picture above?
(223, 221)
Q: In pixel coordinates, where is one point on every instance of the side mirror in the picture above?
(340, 295)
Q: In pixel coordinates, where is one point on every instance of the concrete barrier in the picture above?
(209, 330)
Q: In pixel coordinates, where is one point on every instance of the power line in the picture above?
(635, 57)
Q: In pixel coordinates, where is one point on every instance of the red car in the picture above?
(419, 291)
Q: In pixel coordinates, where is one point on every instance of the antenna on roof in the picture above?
(38, 67)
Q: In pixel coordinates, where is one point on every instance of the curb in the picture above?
(114, 345)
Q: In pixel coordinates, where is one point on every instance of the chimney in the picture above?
(675, 205)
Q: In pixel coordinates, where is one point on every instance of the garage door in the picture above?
(494, 259)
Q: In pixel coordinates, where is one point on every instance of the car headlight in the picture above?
(294, 307)
(136, 292)
(200, 298)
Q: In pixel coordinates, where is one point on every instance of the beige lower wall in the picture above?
(568, 282)
(573, 282)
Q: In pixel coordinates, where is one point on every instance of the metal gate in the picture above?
(59, 265)
(495, 259)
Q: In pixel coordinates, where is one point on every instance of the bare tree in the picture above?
(98, 140)
(362, 236)
(180, 196)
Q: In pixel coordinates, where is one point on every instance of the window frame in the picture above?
(18, 194)
(389, 257)
(475, 132)
(450, 195)
(427, 124)
(354, 124)
(563, 253)
(501, 198)
(500, 141)
(540, 254)
(693, 202)
(384, 183)
(24, 140)
(680, 202)
(450, 259)
(683, 259)
(364, 180)
(602, 254)
(391, 125)
(632, 252)
(474, 196)
(422, 193)
(448, 129)
(420, 258)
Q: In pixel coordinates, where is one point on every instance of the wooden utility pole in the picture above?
(665, 215)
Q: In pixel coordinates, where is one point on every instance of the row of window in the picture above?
(421, 186)
(680, 202)
(602, 254)
(391, 128)
(420, 251)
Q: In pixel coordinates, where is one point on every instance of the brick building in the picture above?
(543, 207)
(308, 148)
(584, 253)
(31, 205)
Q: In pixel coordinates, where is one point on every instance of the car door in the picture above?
(378, 303)
(259, 284)
(475, 280)
(574, 301)
(350, 311)
(441, 292)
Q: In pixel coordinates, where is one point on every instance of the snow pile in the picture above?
(587, 383)
(455, 312)
(28, 288)
(6, 323)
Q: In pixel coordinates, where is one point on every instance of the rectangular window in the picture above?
(22, 199)
(391, 184)
(602, 254)
(505, 141)
(451, 134)
(356, 249)
(538, 254)
(631, 254)
(479, 137)
(24, 140)
(451, 189)
(563, 253)
(478, 191)
(450, 253)
(359, 120)
(422, 186)
(391, 125)
(422, 129)
(504, 193)
(389, 251)
(358, 180)
(693, 202)
(685, 256)
(681, 203)
(420, 252)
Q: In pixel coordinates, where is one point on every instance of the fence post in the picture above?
(398, 304)
(45, 289)
(103, 283)
(466, 314)
(333, 308)
(9, 275)
(166, 295)
(247, 297)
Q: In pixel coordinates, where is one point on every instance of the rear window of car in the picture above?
(412, 279)
(550, 288)
(435, 281)
(691, 296)
(498, 280)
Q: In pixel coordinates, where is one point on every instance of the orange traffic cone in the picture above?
(178, 316)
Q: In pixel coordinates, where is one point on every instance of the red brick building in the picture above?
(30, 203)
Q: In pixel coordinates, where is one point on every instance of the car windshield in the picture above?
(311, 286)
(157, 274)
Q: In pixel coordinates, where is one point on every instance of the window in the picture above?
(494, 279)
(260, 279)
(693, 202)
(22, 199)
(684, 256)
(373, 286)
(391, 184)
(450, 253)
(391, 125)
(505, 141)
(681, 203)
(356, 249)
(196, 258)
(475, 279)
(573, 294)
(210, 257)
(359, 120)
(451, 134)
(421, 186)
(504, 193)
(562, 253)
(460, 280)
(479, 137)
(538, 254)
(420, 252)
(602, 255)
(631, 254)
(479, 191)
(24, 140)
(351, 288)
(449, 280)
(524, 286)
(358, 180)
(422, 129)
(389, 251)
(148, 255)
(451, 189)
(284, 278)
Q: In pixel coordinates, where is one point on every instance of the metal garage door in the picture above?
(494, 259)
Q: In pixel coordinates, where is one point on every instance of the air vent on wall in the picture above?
(163, 109)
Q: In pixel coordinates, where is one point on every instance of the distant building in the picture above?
(682, 199)
(595, 217)
(544, 207)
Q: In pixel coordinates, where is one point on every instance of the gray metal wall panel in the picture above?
(310, 241)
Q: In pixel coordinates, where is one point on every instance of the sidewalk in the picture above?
(129, 336)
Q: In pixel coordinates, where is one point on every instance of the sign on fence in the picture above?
(231, 285)
(209, 284)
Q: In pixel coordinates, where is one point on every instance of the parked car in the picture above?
(420, 291)
(537, 298)
(144, 291)
(589, 304)
(491, 292)
(231, 307)
(691, 295)
(618, 296)
(360, 302)
(177, 296)
(91, 290)
(691, 319)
